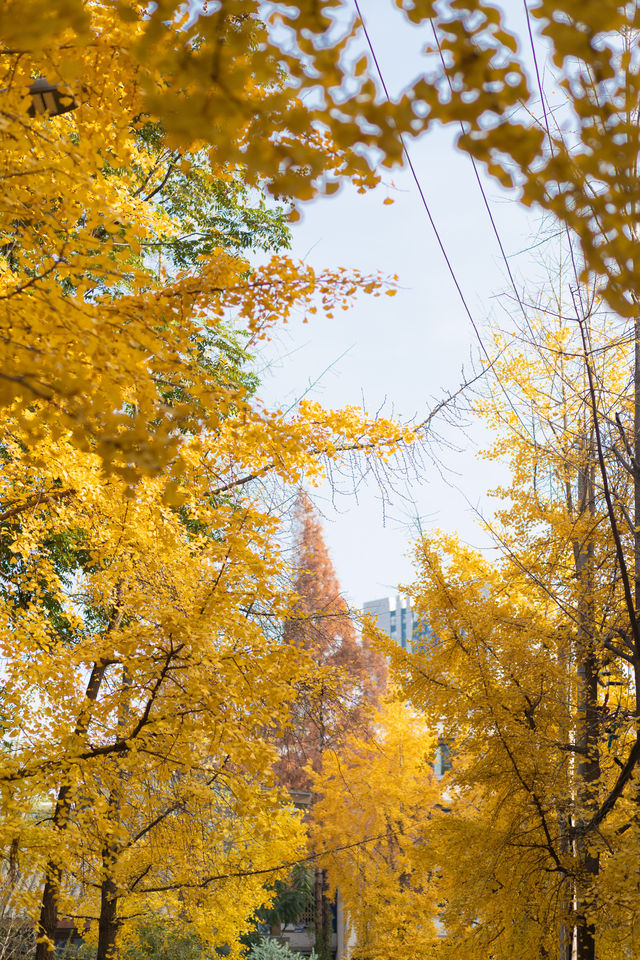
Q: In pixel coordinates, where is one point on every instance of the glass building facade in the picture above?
(395, 616)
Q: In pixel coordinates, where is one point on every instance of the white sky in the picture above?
(407, 351)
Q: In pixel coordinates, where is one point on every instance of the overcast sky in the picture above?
(404, 353)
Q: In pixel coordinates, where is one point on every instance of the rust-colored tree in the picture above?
(345, 675)
(344, 679)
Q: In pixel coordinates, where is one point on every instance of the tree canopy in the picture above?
(142, 571)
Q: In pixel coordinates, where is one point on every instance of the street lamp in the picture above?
(46, 98)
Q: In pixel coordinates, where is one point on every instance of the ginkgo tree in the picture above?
(284, 96)
(379, 792)
(141, 665)
(141, 691)
(108, 277)
(531, 669)
(149, 746)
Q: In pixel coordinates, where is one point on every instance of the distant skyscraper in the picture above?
(395, 616)
(390, 613)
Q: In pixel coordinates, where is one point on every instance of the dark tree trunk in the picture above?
(322, 917)
(588, 774)
(588, 717)
(48, 922)
(108, 923)
(49, 915)
(585, 931)
(565, 927)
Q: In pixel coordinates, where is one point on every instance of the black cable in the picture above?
(481, 186)
(550, 138)
(421, 191)
(431, 220)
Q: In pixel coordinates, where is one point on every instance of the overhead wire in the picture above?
(420, 190)
(481, 185)
(517, 296)
(427, 209)
(422, 194)
(543, 101)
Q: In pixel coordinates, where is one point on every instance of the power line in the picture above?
(420, 190)
(545, 115)
(481, 185)
(430, 217)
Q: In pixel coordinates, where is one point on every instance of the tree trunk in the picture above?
(48, 921)
(636, 501)
(585, 939)
(565, 901)
(588, 775)
(566, 897)
(588, 718)
(322, 917)
(108, 922)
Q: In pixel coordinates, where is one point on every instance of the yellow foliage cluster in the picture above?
(144, 676)
(167, 764)
(529, 665)
(92, 322)
(377, 809)
(141, 577)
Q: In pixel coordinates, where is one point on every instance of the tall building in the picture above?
(395, 616)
